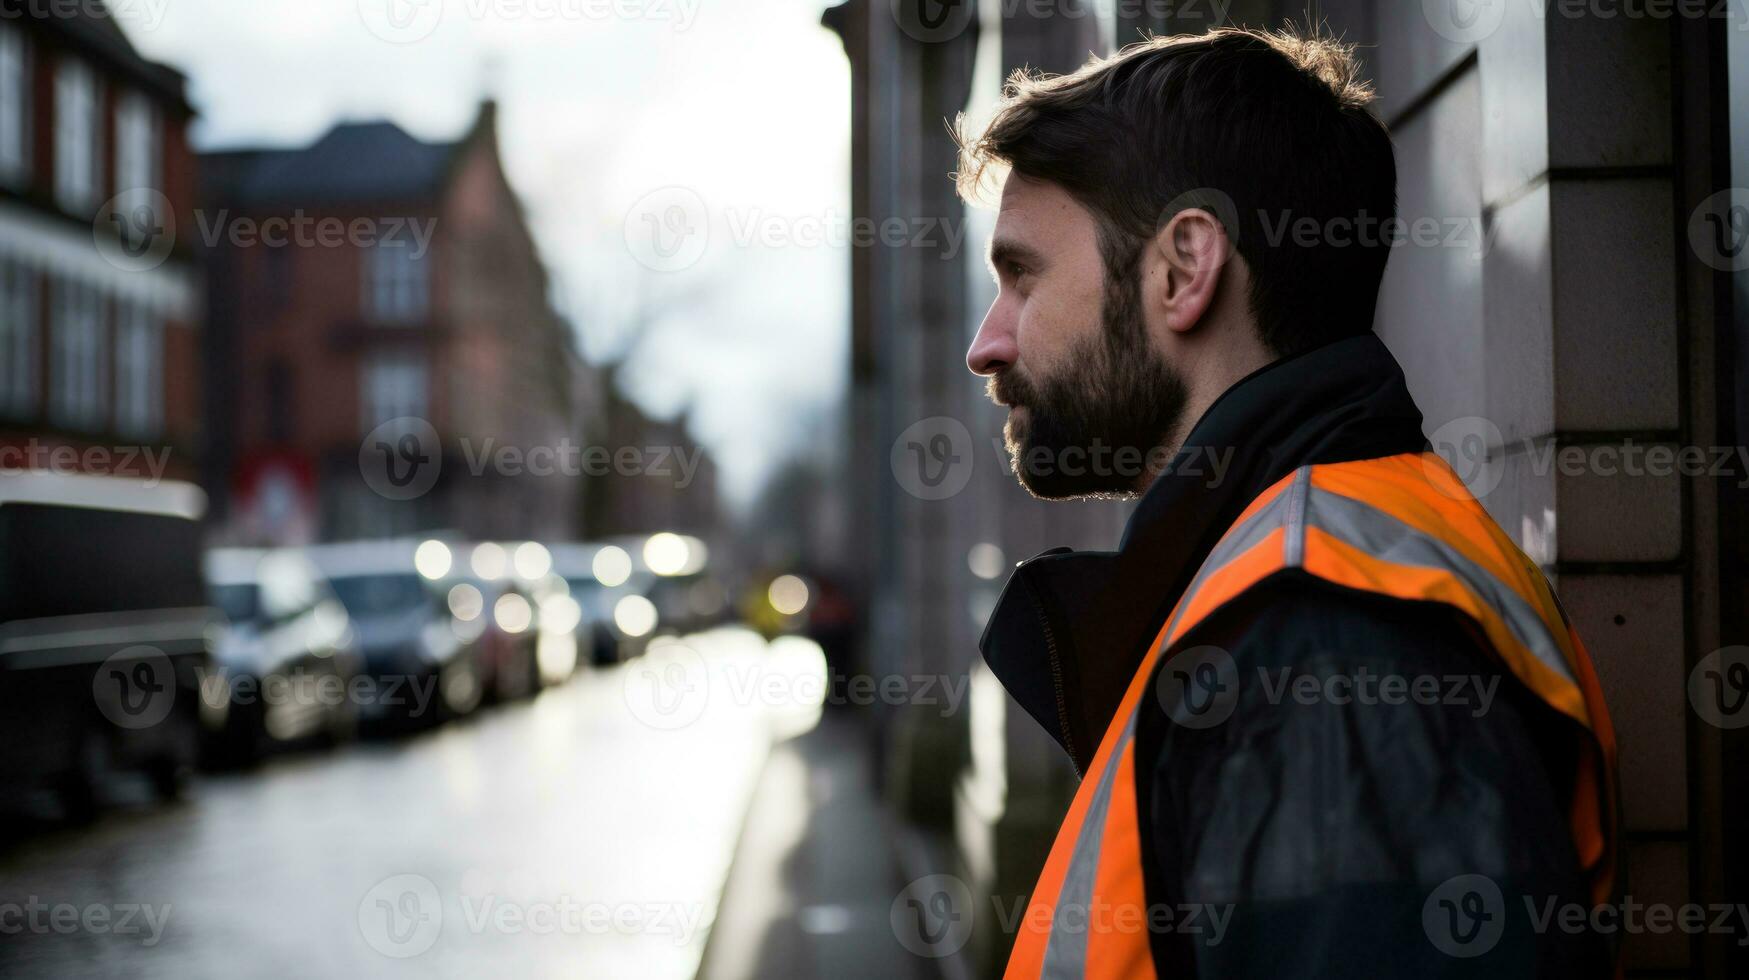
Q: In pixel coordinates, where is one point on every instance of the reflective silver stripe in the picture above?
(1242, 538)
(1351, 521)
(1385, 537)
(1293, 549)
(1066, 948)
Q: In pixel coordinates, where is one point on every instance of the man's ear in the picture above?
(1189, 253)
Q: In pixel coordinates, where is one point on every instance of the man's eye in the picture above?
(1016, 270)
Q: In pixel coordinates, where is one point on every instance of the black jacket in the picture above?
(1308, 833)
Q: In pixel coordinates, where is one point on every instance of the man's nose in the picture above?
(993, 348)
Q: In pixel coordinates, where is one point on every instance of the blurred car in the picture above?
(629, 589)
(674, 574)
(105, 666)
(287, 652)
(497, 582)
(603, 579)
(424, 662)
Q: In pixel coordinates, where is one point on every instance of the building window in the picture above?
(395, 386)
(137, 146)
(396, 282)
(14, 105)
(18, 328)
(78, 136)
(139, 372)
(77, 382)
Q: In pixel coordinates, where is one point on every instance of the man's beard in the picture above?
(1093, 429)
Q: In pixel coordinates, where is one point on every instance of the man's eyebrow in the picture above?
(1004, 251)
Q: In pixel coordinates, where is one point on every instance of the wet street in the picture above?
(585, 833)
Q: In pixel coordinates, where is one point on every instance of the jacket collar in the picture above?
(1071, 628)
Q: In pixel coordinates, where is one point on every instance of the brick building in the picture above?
(99, 311)
(1589, 311)
(368, 277)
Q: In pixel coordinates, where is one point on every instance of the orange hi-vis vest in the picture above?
(1401, 526)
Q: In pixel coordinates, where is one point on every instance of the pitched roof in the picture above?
(90, 28)
(353, 163)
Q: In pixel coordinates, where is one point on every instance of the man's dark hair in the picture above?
(1276, 122)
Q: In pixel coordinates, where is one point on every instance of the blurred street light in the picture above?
(432, 559)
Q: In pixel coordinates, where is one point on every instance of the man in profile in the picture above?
(1322, 700)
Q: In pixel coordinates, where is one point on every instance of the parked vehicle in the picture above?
(288, 653)
(105, 668)
(630, 589)
(423, 663)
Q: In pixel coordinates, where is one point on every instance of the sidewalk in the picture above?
(815, 873)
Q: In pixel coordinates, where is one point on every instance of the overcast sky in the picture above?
(733, 112)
